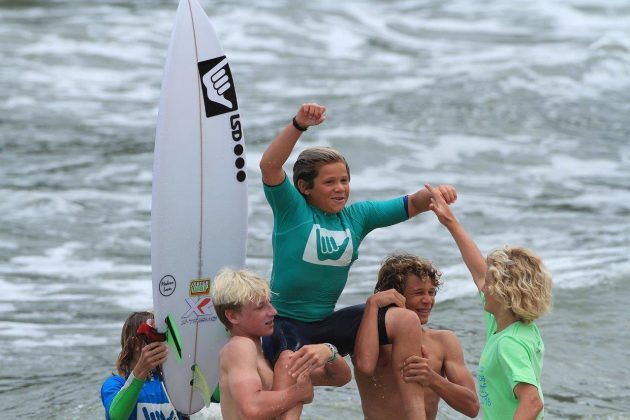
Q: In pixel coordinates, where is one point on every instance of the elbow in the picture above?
(364, 367)
(343, 378)
(251, 412)
(473, 409)
(538, 405)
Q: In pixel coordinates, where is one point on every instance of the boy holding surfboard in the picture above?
(315, 241)
(242, 301)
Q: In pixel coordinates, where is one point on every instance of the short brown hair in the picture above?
(306, 167)
(396, 267)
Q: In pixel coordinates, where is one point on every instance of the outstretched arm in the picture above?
(281, 147)
(366, 345)
(420, 201)
(470, 253)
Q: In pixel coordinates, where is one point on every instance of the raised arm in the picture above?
(253, 402)
(281, 147)
(420, 201)
(475, 262)
(366, 344)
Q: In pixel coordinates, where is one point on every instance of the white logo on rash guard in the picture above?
(149, 411)
(328, 247)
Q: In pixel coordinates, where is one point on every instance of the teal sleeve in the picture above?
(126, 399)
(285, 200)
(369, 215)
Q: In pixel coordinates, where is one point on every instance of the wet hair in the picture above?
(130, 341)
(306, 167)
(234, 289)
(518, 279)
(397, 267)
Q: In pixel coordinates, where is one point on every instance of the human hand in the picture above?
(307, 358)
(439, 206)
(448, 193)
(217, 83)
(416, 369)
(305, 387)
(386, 298)
(310, 114)
(151, 356)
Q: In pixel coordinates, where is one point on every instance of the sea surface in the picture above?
(523, 105)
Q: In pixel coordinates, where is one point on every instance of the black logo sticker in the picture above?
(219, 95)
(167, 285)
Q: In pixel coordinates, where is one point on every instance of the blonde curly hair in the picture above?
(518, 279)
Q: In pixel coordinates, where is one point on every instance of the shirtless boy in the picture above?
(242, 301)
(410, 282)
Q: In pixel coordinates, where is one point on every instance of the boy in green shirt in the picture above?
(515, 290)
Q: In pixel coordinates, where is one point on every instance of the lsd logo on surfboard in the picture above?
(219, 95)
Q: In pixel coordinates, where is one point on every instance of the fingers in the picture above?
(154, 354)
(311, 114)
(305, 359)
(389, 297)
(425, 352)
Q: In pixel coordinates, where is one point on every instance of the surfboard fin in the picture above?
(216, 395)
(172, 337)
(200, 383)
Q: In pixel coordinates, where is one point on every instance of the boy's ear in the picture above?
(232, 316)
(302, 187)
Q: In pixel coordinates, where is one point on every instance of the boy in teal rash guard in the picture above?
(136, 392)
(515, 290)
(315, 241)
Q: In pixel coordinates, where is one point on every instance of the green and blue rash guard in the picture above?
(136, 399)
(313, 250)
(511, 356)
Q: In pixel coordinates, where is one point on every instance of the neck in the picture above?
(504, 319)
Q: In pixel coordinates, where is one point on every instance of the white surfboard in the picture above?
(199, 209)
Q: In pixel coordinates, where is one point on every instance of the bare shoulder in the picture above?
(237, 348)
(446, 339)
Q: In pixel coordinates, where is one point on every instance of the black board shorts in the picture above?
(339, 329)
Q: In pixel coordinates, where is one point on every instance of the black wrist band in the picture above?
(298, 126)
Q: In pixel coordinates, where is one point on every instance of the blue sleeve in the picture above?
(370, 215)
(109, 390)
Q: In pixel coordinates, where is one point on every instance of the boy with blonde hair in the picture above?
(515, 289)
(242, 301)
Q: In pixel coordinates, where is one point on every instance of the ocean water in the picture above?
(522, 105)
